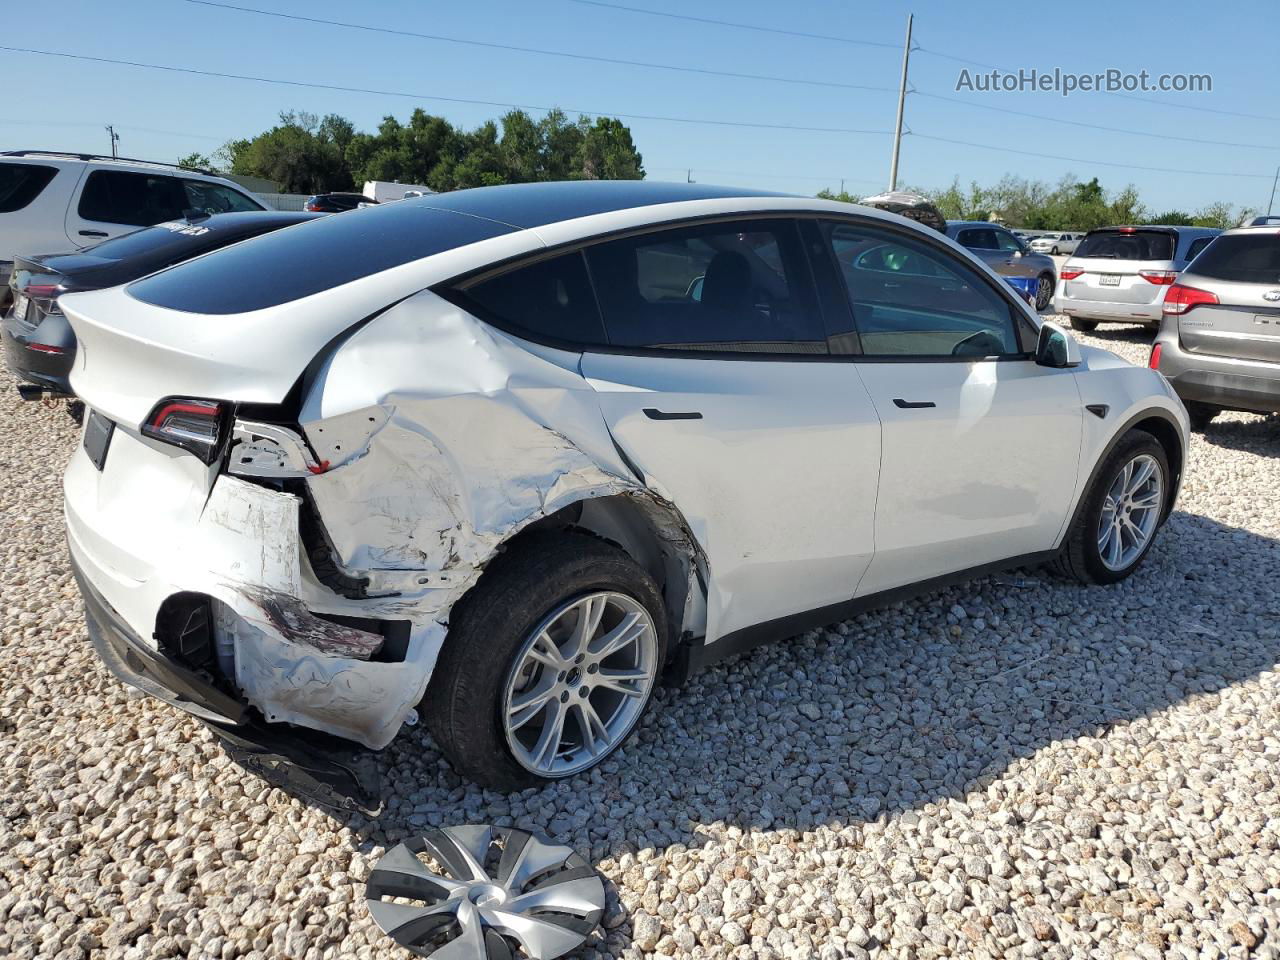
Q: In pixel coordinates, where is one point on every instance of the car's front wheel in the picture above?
(1044, 290)
(1055, 251)
(549, 663)
(1122, 509)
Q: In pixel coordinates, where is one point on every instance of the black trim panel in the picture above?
(692, 657)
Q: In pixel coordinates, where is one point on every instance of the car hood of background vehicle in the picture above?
(133, 354)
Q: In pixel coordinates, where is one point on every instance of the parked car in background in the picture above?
(1006, 255)
(1121, 274)
(55, 201)
(38, 342)
(1056, 243)
(336, 202)
(1219, 341)
(482, 454)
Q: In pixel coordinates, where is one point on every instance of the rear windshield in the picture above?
(1241, 258)
(148, 240)
(1124, 245)
(20, 183)
(319, 255)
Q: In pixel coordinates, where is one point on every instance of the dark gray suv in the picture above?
(1006, 255)
(1219, 340)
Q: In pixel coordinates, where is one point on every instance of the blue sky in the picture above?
(63, 104)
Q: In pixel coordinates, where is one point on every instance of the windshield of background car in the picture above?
(1127, 245)
(1241, 258)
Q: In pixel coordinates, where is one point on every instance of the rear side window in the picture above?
(741, 287)
(551, 299)
(1197, 245)
(1127, 245)
(319, 255)
(979, 238)
(137, 199)
(214, 198)
(20, 183)
(1241, 258)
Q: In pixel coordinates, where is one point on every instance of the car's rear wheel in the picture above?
(1084, 326)
(549, 664)
(1044, 290)
(1201, 414)
(1120, 514)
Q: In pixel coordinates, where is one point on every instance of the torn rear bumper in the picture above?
(325, 769)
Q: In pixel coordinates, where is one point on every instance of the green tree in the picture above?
(1174, 218)
(300, 153)
(843, 196)
(195, 161)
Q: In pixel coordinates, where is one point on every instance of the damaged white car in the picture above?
(507, 455)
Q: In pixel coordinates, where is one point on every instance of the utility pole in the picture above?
(114, 138)
(902, 97)
(688, 176)
(1273, 191)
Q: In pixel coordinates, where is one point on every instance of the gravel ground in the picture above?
(1019, 767)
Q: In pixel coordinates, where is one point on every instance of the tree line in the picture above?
(1067, 205)
(304, 153)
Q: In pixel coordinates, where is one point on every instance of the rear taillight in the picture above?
(312, 207)
(1180, 299)
(1154, 362)
(1161, 278)
(45, 348)
(193, 425)
(1070, 273)
(40, 291)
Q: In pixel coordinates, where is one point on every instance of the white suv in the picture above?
(52, 201)
(510, 452)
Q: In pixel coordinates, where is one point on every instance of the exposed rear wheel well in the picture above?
(652, 534)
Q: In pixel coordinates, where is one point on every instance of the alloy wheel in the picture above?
(579, 683)
(1044, 290)
(1130, 512)
(479, 892)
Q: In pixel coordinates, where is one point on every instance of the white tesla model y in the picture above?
(507, 455)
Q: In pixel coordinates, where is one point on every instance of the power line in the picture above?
(1100, 163)
(1093, 126)
(701, 121)
(739, 26)
(771, 176)
(539, 52)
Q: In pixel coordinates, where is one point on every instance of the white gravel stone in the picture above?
(1016, 767)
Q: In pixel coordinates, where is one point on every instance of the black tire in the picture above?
(487, 629)
(1084, 326)
(1055, 251)
(1079, 558)
(1201, 414)
(1044, 291)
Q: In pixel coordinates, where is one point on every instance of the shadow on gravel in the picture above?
(1121, 333)
(1259, 435)
(890, 711)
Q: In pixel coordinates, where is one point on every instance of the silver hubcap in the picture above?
(478, 892)
(1043, 290)
(579, 683)
(1130, 512)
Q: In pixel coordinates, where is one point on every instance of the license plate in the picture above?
(20, 307)
(97, 437)
(1109, 280)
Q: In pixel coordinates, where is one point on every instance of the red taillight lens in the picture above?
(1070, 273)
(312, 207)
(40, 291)
(194, 425)
(45, 348)
(1154, 362)
(1180, 299)
(1161, 278)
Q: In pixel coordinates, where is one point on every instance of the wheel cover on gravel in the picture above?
(485, 892)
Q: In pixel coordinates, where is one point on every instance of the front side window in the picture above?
(910, 299)
(727, 287)
(214, 198)
(1007, 241)
(20, 183)
(135, 199)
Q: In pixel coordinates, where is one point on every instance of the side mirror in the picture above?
(1019, 252)
(1056, 347)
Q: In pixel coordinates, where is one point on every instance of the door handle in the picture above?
(912, 404)
(93, 233)
(653, 414)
